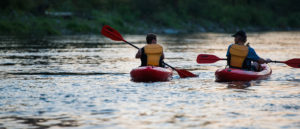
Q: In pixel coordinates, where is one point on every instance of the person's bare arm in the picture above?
(138, 54)
(261, 61)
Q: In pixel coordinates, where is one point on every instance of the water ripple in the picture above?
(84, 82)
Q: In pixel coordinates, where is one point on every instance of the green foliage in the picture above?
(13, 27)
(78, 27)
(27, 17)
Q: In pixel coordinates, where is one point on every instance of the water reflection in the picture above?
(39, 122)
(238, 85)
(84, 82)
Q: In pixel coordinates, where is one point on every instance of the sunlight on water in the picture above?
(84, 82)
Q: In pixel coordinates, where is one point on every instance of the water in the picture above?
(84, 82)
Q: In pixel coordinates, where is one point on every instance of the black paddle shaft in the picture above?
(131, 44)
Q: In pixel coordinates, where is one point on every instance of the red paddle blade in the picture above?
(111, 33)
(295, 63)
(183, 73)
(206, 58)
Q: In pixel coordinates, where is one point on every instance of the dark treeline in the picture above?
(54, 17)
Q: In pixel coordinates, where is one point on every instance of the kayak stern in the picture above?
(232, 74)
(151, 74)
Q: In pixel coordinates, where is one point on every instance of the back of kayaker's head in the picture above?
(240, 37)
(151, 38)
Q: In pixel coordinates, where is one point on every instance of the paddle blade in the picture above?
(184, 74)
(111, 33)
(206, 58)
(295, 63)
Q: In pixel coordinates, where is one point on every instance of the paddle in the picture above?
(115, 35)
(295, 63)
(207, 58)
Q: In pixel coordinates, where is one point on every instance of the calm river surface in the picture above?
(84, 82)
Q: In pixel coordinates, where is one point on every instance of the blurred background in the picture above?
(68, 17)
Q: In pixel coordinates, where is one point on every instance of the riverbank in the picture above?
(29, 25)
(135, 17)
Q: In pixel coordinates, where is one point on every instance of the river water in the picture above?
(84, 82)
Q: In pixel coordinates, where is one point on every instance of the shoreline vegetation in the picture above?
(72, 17)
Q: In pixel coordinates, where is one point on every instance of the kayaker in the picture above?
(240, 55)
(152, 53)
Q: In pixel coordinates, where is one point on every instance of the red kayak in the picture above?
(151, 74)
(232, 74)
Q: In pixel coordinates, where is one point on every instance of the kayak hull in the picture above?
(151, 74)
(232, 74)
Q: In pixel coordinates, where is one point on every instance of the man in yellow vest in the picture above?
(152, 53)
(241, 56)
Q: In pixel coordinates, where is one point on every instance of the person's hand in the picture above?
(268, 60)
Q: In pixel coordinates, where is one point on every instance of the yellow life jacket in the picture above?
(238, 55)
(154, 53)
